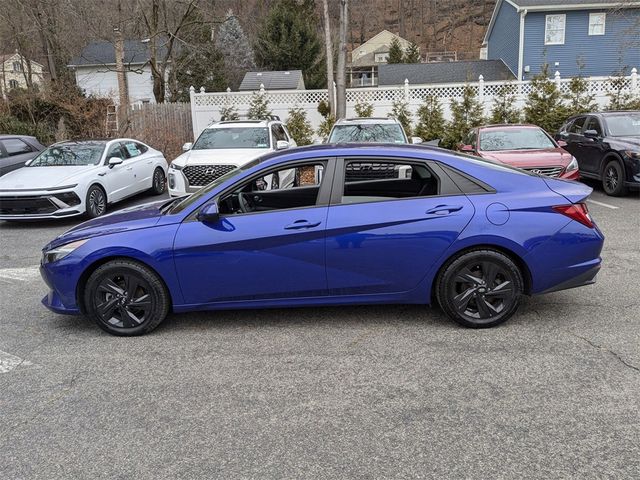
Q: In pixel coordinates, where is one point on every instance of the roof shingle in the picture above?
(443, 72)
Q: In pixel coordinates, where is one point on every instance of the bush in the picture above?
(503, 109)
(580, 101)
(299, 127)
(400, 111)
(466, 114)
(544, 105)
(363, 109)
(431, 123)
(618, 98)
(259, 107)
(229, 113)
(323, 108)
(325, 127)
(43, 132)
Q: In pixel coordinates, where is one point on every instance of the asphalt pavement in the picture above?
(348, 392)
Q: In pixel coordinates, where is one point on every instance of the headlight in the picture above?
(59, 253)
(632, 154)
(173, 166)
(573, 165)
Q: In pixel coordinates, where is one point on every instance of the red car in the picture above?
(524, 146)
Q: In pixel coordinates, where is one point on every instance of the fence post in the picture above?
(262, 89)
(201, 89)
(557, 79)
(192, 100)
(481, 88)
(634, 79)
(406, 90)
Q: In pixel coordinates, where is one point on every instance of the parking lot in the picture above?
(359, 392)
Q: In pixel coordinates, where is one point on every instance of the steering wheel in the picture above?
(245, 205)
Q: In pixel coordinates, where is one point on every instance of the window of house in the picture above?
(13, 84)
(15, 146)
(17, 66)
(381, 57)
(378, 180)
(554, 29)
(290, 187)
(596, 23)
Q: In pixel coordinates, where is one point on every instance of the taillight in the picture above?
(578, 212)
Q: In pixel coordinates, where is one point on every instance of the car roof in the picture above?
(243, 123)
(366, 120)
(8, 135)
(502, 126)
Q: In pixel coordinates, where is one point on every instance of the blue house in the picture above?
(574, 37)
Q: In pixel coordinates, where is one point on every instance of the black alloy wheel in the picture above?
(480, 289)
(613, 179)
(96, 203)
(126, 298)
(159, 182)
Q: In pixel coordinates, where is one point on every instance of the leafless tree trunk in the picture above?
(341, 90)
(328, 46)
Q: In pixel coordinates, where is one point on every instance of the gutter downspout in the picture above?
(523, 13)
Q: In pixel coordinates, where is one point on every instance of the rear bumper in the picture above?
(587, 277)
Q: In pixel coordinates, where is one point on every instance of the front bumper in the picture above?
(54, 300)
(40, 204)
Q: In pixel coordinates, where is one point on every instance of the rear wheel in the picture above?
(126, 298)
(480, 289)
(96, 202)
(613, 179)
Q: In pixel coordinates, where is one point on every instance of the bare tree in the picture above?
(341, 90)
(328, 46)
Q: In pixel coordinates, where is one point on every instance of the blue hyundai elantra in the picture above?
(359, 224)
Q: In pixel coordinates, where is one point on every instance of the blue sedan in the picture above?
(360, 224)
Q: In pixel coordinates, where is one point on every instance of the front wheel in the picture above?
(613, 179)
(159, 182)
(126, 298)
(96, 202)
(480, 289)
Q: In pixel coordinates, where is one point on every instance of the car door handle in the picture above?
(444, 209)
(300, 224)
(129, 168)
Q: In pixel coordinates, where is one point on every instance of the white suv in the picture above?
(222, 147)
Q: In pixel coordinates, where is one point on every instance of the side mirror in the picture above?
(561, 143)
(209, 213)
(28, 162)
(282, 144)
(187, 146)
(466, 148)
(591, 134)
(113, 161)
(416, 140)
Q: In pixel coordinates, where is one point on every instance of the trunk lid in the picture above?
(574, 192)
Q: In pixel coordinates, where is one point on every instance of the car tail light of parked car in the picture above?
(578, 212)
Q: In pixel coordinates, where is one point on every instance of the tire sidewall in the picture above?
(88, 211)
(154, 187)
(620, 189)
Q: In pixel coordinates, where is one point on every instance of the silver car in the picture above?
(15, 150)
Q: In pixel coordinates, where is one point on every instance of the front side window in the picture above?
(69, 155)
(379, 180)
(15, 146)
(576, 126)
(285, 188)
(233, 137)
(593, 124)
(115, 151)
(278, 133)
(624, 125)
(368, 133)
(554, 29)
(515, 139)
(597, 23)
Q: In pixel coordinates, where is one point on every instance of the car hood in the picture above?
(133, 218)
(633, 142)
(531, 158)
(36, 178)
(222, 156)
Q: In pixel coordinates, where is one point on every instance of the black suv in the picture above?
(607, 147)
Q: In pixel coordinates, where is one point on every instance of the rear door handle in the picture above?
(444, 209)
(130, 168)
(300, 224)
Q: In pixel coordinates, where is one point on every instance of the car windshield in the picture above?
(368, 133)
(70, 154)
(184, 202)
(514, 139)
(235, 137)
(627, 125)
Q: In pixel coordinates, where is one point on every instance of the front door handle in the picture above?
(300, 224)
(444, 209)
(130, 168)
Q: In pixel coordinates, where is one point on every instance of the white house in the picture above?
(95, 70)
(14, 72)
(366, 58)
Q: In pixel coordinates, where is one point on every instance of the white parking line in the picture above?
(25, 274)
(8, 362)
(612, 207)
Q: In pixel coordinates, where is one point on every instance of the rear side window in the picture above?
(132, 149)
(15, 146)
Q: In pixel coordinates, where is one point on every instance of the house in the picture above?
(289, 80)
(443, 72)
(95, 70)
(14, 72)
(365, 59)
(574, 37)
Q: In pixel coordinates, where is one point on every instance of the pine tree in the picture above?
(400, 110)
(259, 107)
(580, 101)
(233, 44)
(431, 122)
(466, 114)
(229, 113)
(395, 52)
(504, 109)
(412, 54)
(363, 109)
(325, 126)
(544, 106)
(618, 98)
(288, 39)
(299, 127)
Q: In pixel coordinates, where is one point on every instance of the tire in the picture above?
(613, 179)
(480, 288)
(126, 298)
(159, 182)
(96, 202)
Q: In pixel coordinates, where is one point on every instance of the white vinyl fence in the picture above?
(206, 106)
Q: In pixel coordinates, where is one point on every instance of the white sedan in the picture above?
(73, 178)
